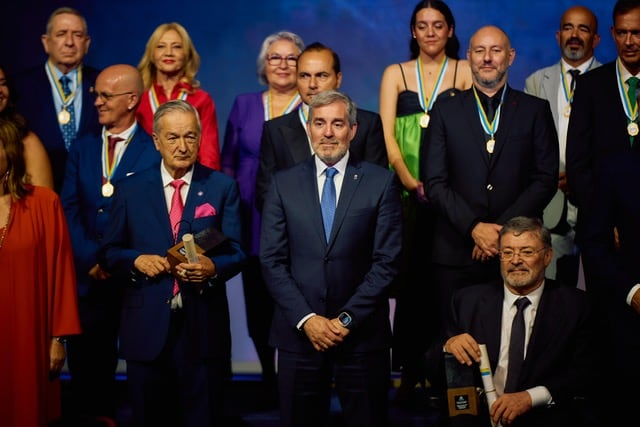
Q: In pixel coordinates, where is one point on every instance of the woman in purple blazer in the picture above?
(239, 159)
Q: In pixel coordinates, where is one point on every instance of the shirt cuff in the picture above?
(632, 293)
(540, 396)
(304, 319)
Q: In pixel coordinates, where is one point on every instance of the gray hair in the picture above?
(272, 38)
(523, 224)
(70, 11)
(175, 105)
(327, 97)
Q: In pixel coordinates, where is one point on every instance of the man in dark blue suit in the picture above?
(97, 164)
(43, 99)
(490, 153)
(285, 141)
(330, 283)
(558, 341)
(175, 334)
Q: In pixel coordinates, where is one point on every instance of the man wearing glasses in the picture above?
(284, 139)
(96, 167)
(54, 97)
(540, 372)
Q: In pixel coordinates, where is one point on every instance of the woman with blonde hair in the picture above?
(168, 67)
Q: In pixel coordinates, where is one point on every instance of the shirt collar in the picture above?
(534, 296)
(167, 178)
(341, 166)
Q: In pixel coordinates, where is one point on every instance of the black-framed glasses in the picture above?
(526, 253)
(106, 96)
(276, 59)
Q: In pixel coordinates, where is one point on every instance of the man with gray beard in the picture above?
(490, 153)
(577, 37)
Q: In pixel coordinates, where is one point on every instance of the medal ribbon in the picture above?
(109, 170)
(631, 111)
(566, 86)
(268, 113)
(427, 103)
(153, 97)
(489, 128)
(64, 100)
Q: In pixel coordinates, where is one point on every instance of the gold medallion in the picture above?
(632, 129)
(107, 189)
(424, 121)
(64, 116)
(567, 110)
(491, 144)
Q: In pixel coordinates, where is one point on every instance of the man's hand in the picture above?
(152, 265)
(97, 273)
(196, 272)
(635, 301)
(57, 355)
(464, 347)
(324, 333)
(485, 236)
(509, 406)
(562, 183)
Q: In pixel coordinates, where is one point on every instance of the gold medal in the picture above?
(64, 116)
(567, 110)
(491, 144)
(107, 189)
(424, 120)
(632, 129)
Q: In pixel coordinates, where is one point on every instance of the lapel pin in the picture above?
(200, 193)
(355, 177)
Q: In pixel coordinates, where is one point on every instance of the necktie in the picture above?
(491, 111)
(574, 74)
(113, 140)
(633, 86)
(69, 128)
(175, 215)
(328, 201)
(516, 345)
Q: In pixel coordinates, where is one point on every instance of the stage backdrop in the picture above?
(368, 35)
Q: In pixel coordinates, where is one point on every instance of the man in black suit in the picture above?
(285, 141)
(558, 361)
(331, 283)
(491, 153)
(54, 97)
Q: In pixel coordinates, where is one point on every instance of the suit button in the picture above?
(100, 210)
(489, 187)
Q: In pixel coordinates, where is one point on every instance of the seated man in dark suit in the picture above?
(284, 139)
(556, 363)
(54, 97)
(175, 330)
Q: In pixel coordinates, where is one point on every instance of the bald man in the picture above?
(491, 154)
(96, 166)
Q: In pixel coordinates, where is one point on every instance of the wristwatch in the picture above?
(345, 319)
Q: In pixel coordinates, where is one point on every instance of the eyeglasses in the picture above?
(277, 60)
(526, 253)
(105, 96)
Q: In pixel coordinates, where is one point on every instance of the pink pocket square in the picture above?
(204, 210)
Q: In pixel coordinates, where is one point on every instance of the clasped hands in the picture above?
(508, 406)
(197, 272)
(324, 333)
(485, 236)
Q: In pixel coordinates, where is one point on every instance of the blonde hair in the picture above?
(191, 63)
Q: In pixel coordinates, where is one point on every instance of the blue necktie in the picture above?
(328, 201)
(69, 128)
(516, 346)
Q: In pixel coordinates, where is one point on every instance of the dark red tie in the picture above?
(175, 215)
(113, 140)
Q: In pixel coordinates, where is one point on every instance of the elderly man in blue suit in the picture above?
(329, 272)
(54, 97)
(97, 164)
(175, 334)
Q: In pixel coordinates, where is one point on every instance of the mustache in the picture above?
(575, 40)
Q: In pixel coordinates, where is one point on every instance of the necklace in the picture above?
(6, 226)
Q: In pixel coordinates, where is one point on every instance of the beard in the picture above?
(489, 83)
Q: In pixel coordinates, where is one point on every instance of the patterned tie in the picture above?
(516, 346)
(573, 74)
(328, 201)
(69, 128)
(175, 215)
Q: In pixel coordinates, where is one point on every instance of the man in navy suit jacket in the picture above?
(559, 342)
(480, 169)
(92, 171)
(331, 318)
(284, 139)
(39, 96)
(176, 342)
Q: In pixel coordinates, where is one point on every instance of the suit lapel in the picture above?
(507, 116)
(492, 321)
(350, 182)
(197, 193)
(296, 138)
(130, 156)
(550, 84)
(470, 109)
(158, 204)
